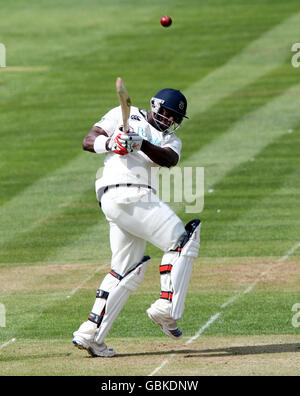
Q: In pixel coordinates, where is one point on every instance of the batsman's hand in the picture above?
(116, 146)
(131, 141)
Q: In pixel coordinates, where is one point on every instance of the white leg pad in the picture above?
(181, 273)
(108, 284)
(86, 330)
(168, 260)
(118, 297)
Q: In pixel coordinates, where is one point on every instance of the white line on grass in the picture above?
(75, 290)
(203, 328)
(262, 275)
(7, 343)
(290, 252)
(199, 332)
(160, 367)
(23, 69)
(231, 301)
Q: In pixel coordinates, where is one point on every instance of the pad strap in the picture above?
(120, 277)
(165, 268)
(166, 295)
(102, 294)
(96, 318)
(116, 275)
(93, 317)
(119, 295)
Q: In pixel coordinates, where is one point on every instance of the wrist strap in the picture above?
(100, 144)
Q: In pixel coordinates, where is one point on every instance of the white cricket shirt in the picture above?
(133, 168)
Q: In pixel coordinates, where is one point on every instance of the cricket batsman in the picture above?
(127, 196)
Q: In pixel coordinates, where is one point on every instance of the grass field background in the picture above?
(232, 60)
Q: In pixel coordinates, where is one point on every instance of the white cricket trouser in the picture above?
(137, 215)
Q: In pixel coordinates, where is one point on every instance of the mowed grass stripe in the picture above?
(258, 58)
(258, 186)
(268, 219)
(254, 209)
(241, 143)
(247, 137)
(93, 244)
(74, 190)
(66, 319)
(55, 107)
(90, 242)
(36, 208)
(48, 196)
(44, 215)
(206, 127)
(34, 204)
(260, 179)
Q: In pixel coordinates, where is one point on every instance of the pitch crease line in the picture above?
(160, 367)
(75, 290)
(7, 343)
(203, 328)
(251, 287)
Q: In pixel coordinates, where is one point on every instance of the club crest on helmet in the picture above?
(181, 105)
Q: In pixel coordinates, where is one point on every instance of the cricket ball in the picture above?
(166, 21)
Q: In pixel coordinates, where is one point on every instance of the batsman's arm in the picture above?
(162, 156)
(89, 140)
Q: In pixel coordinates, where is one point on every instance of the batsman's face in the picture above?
(167, 118)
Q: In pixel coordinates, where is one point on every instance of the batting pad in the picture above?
(181, 272)
(118, 297)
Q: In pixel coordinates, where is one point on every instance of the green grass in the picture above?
(63, 58)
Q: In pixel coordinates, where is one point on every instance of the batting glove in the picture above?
(131, 141)
(116, 145)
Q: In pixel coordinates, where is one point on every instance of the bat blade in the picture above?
(125, 101)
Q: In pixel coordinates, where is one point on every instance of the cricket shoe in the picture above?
(158, 313)
(94, 349)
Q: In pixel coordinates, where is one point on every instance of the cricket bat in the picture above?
(124, 101)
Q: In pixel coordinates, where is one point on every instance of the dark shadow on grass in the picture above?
(187, 353)
(247, 350)
(221, 352)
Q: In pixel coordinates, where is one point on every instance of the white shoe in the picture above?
(159, 314)
(94, 349)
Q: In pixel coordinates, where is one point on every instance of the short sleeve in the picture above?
(174, 143)
(109, 121)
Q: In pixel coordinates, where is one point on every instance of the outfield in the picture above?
(233, 62)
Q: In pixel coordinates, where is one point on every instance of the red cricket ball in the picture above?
(166, 21)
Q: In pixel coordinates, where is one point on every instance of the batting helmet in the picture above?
(170, 99)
